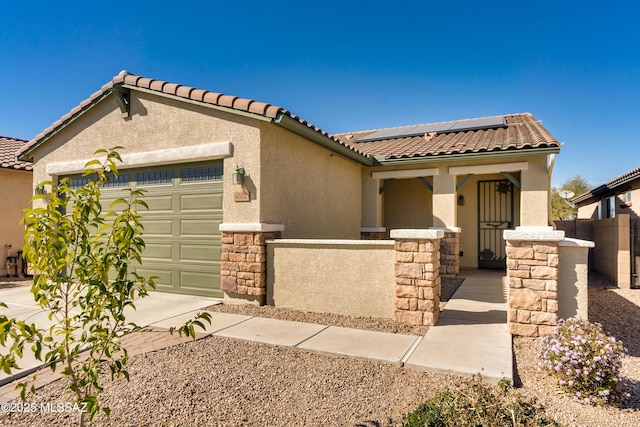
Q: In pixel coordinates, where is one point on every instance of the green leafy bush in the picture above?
(478, 404)
(585, 360)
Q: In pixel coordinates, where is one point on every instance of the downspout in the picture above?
(550, 165)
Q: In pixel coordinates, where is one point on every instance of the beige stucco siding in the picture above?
(313, 192)
(357, 277)
(15, 193)
(407, 204)
(535, 193)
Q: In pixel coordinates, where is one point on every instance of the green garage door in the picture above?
(181, 226)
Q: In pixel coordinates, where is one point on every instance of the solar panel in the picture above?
(440, 127)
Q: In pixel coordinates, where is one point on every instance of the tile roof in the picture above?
(522, 131)
(199, 95)
(8, 149)
(609, 185)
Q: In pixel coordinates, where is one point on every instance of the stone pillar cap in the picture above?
(251, 227)
(411, 233)
(447, 229)
(534, 234)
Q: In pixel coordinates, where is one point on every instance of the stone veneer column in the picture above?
(449, 250)
(244, 259)
(417, 271)
(532, 271)
(372, 233)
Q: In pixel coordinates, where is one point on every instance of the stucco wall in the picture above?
(535, 193)
(407, 204)
(15, 192)
(573, 279)
(158, 123)
(312, 191)
(354, 278)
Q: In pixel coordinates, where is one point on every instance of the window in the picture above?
(76, 183)
(120, 181)
(611, 207)
(599, 209)
(155, 178)
(213, 173)
(627, 198)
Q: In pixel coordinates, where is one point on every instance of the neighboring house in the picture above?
(612, 198)
(16, 189)
(252, 170)
(609, 215)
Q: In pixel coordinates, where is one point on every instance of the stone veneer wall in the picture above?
(244, 258)
(450, 253)
(417, 271)
(532, 271)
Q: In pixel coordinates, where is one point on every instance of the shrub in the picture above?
(478, 404)
(585, 361)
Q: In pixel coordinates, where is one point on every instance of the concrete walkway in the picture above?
(470, 338)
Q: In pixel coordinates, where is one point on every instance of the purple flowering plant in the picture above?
(585, 360)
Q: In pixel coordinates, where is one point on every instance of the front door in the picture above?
(495, 214)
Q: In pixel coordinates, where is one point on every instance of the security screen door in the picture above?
(495, 214)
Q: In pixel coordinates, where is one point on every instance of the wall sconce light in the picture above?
(238, 176)
(41, 190)
(461, 200)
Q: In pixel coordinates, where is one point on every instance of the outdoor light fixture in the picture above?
(40, 190)
(238, 176)
(461, 200)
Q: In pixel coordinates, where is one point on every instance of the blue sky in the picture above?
(348, 65)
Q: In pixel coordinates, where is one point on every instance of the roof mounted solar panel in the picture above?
(440, 127)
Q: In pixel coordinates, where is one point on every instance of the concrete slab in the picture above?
(219, 321)
(489, 334)
(272, 331)
(465, 358)
(162, 305)
(361, 344)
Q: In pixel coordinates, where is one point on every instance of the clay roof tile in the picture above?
(227, 100)
(170, 88)
(184, 91)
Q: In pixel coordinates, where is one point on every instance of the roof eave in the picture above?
(297, 127)
(469, 156)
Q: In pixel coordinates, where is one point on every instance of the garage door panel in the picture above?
(195, 282)
(199, 253)
(158, 203)
(157, 251)
(200, 228)
(158, 227)
(200, 202)
(164, 277)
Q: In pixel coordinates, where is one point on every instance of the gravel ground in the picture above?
(222, 382)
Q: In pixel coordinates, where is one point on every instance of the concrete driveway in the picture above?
(157, 307)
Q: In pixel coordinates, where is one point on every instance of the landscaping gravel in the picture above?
(222, 382)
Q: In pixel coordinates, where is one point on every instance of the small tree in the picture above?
(82, 257)
(561, 208)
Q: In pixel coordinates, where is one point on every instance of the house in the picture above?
(608, 216)
(612, 198)
(16, 191)
(223, 174)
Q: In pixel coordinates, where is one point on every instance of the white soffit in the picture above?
(486, 169)
(405, 174)
(190, 153)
